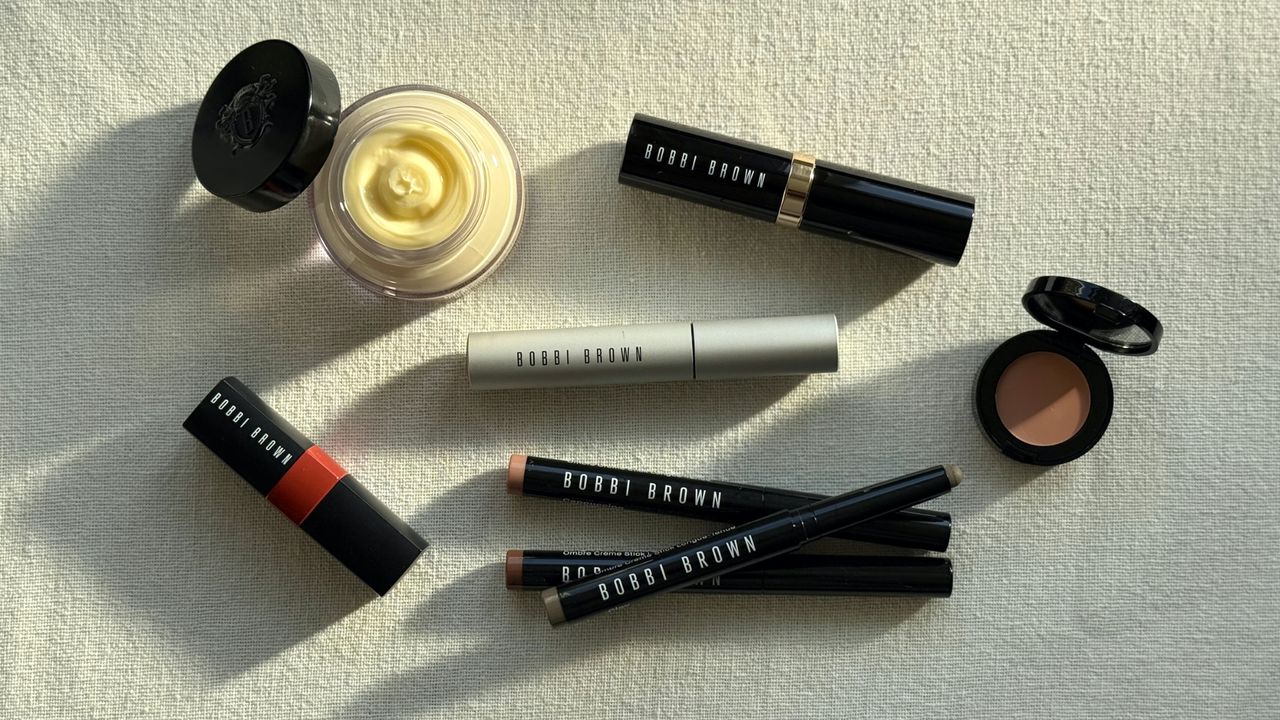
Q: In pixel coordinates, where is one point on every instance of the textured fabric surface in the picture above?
(1137, 146)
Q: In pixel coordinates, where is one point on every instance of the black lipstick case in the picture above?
(305, 484)
(796, 189)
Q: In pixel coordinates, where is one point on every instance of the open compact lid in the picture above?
(1100, 317)
(266, 126)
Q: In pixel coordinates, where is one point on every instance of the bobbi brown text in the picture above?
(663, 492)
(676, 158)
(238, 418)
(587, 356)
(683, 565)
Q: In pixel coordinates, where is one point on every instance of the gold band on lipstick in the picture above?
(799, 180)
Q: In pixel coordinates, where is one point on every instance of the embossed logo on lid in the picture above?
(244, 120)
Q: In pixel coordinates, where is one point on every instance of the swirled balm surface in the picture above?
(409, 184)
(422, 196)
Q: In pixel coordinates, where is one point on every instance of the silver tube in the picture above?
(627, 354)
(757, 347)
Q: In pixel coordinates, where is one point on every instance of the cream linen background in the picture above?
(1137, 146)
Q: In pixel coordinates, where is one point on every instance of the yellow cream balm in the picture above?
(408, 184)
(422, 195)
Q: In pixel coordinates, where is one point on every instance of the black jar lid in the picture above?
(266, 126)
(1100, 317)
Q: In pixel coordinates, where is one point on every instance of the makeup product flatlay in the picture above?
(709, 500)
(626, 354)
(793, 574)
(1044, 397)
(416, 191)
(741, 546)
(797, 190)
(305, 484)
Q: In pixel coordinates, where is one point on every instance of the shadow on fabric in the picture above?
(492, 661)
(135, 301)
(662, 256)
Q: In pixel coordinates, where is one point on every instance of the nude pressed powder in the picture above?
(1044, 397)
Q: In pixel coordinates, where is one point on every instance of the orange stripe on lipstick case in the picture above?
(302, 488)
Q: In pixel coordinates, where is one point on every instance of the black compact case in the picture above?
(1082, 316)
(796, 189)
(305, 484)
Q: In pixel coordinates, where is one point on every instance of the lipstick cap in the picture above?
(916, 220)
(305, 484)
(266, 126)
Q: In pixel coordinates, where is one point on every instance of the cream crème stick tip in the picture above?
(555, 612)
(513, 568)
(953, 474)
(515, 474)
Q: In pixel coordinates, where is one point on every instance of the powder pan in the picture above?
(1083, 316)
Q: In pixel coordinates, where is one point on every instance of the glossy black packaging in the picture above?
(796, 189)
(1082, 317)
(792, 574)
(739, 547)
(266, 126)
(305, 484)
(710, 500)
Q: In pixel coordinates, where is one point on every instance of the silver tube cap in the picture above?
(759, 347)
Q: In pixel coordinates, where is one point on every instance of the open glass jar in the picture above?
(415, 191)
(422, 195)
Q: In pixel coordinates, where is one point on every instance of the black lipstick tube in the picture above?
(707, 500)
(793, 574)
(736, 548)
(310, 488)
(796, 189)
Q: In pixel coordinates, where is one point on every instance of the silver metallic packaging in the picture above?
(659, 352)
